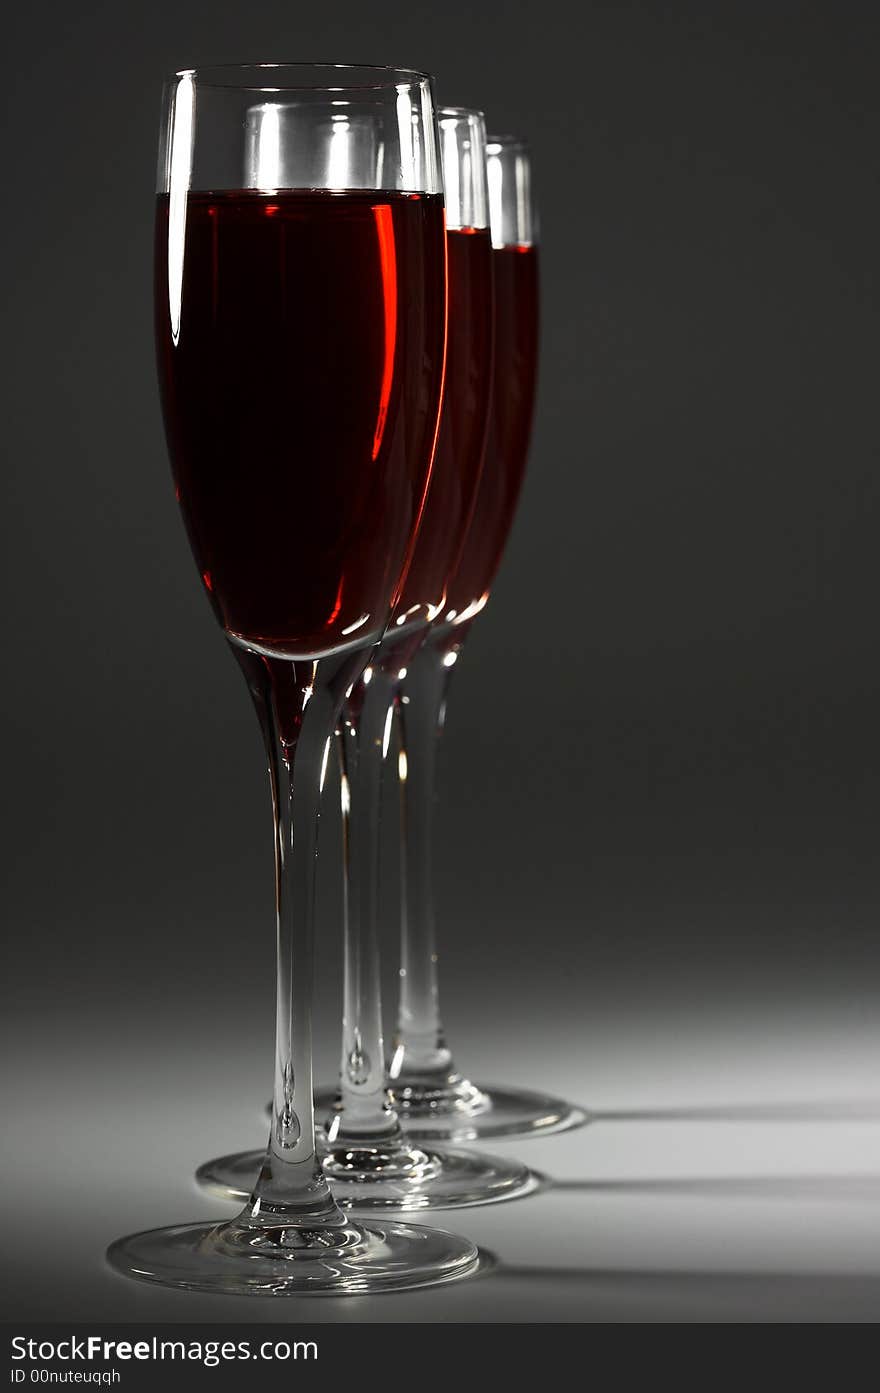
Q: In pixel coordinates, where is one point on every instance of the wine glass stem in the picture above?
(364, 1112)
(420, 1046)
(298, 704)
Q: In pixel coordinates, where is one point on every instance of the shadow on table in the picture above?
(831, 1110)
(621, 1276)
(687, 1294)
(797, 1187)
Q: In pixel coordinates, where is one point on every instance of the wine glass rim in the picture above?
(462, 112)
(223, 75)
(509, 142)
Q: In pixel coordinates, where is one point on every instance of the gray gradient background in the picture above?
(659, 878)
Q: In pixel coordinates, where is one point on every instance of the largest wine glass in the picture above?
(300, 312)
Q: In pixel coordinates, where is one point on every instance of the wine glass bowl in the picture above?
(255, 357)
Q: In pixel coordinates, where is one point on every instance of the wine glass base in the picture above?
(349, 1260)
(407, 1178)
(471, 1112)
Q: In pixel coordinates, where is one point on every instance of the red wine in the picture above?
(464, 420)
(515, 274)
(301, 373)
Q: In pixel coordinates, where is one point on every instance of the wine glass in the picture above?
(433, 1098)
(367, 1158)
(300, 311)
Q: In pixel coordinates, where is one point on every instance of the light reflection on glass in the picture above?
(324, 763)
(495, 176)
(405, 119)
(451, 174)
(470, 610)
(388, 263)
(181, 140)
(358, 624)
(267, 147)
(338, 161)
(386, 735)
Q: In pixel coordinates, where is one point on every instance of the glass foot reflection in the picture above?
(246, 1260)
(462, 1111)
(400, 1178)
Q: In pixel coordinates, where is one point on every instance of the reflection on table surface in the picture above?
(725, 1176)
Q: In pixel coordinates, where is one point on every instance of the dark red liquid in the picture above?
(301, 399)
(464, 421)
(515, 273)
